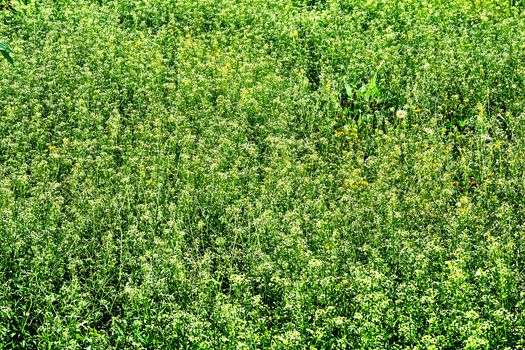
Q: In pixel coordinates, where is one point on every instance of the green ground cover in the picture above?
(262, 174)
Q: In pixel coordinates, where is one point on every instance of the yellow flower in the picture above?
(53, 148)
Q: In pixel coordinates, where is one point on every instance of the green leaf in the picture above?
(349, 90)
(4, 47)
(5, 50)
(6, 56)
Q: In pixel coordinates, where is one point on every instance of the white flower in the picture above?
(401, 114)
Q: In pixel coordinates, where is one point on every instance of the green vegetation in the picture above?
(262, 174)
(5, 50)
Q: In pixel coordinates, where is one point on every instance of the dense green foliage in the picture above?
(253, 174)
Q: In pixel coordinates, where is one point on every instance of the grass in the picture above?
(283, 174)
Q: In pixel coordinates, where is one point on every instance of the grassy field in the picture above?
(262, 174)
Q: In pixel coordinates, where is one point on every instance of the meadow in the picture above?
(262, 174)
